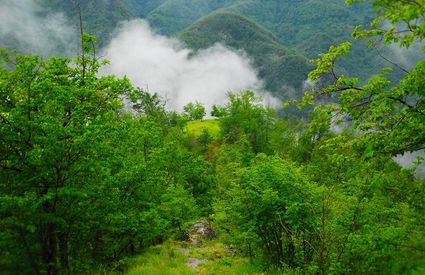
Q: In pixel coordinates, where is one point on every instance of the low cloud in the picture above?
(407, 161)
(162, 65)
(24, 25)
(407, 58)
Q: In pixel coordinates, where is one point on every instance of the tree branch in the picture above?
(10, 168)
(391, 62)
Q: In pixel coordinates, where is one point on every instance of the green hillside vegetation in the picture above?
(312, 26)
(88, 188)
(198, 128)
(295, 22)
(280, 67)
(309, 27)
(100, 18)
(169, 258)
(143, 8)
(173, 16)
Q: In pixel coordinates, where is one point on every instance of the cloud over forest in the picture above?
(26, 25)
(160, 64)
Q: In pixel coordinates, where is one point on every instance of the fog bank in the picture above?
(407, 161)
(25, 25)
(160, 64)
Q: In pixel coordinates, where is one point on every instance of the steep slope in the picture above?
(309, 26)
(100, 17)
(175, 15)
(296, 21)
(312, 26)
(280, 67)
(143, 8)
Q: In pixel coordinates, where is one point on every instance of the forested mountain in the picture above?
(309, 27)
(100, 18)
(312, 26)
(143, 8)
(173, 16)
(282, 69)
(296, 22)
(306, 28)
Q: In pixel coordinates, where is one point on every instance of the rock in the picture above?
(185, 236)
(194, 262)
(195, 240)
(203, 229)
(230, 250)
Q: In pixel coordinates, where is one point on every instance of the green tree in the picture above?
(245, 114)
(149, 105)
(368, 209)
(54, 118)
(178, 206)
(217, 111)
(389, 115)
(267, 210)
(194, 111)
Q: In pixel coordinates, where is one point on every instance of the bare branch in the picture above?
(393, 63)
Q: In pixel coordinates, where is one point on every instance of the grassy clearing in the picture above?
(161, 259)
(232, 266)
(196, 127)
(169, 258)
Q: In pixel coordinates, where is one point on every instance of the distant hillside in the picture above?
(309, 26)
(280, 67)
(100, 17)
(143, 8)
(295, 22)
(173, 16)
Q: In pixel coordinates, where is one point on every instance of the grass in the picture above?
(169, 258)
(196, 127)
(234, 265)
(161, 259)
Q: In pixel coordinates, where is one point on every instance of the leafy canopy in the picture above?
(390, 116)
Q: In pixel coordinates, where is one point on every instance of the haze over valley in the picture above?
(266, 45)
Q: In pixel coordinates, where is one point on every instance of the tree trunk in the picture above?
(50, 249)
(63, 250)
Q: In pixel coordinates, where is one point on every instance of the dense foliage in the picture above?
(100, 17)
(82, 182)
(283, 70)
(85, 184)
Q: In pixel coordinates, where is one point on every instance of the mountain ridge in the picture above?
(270, 57)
